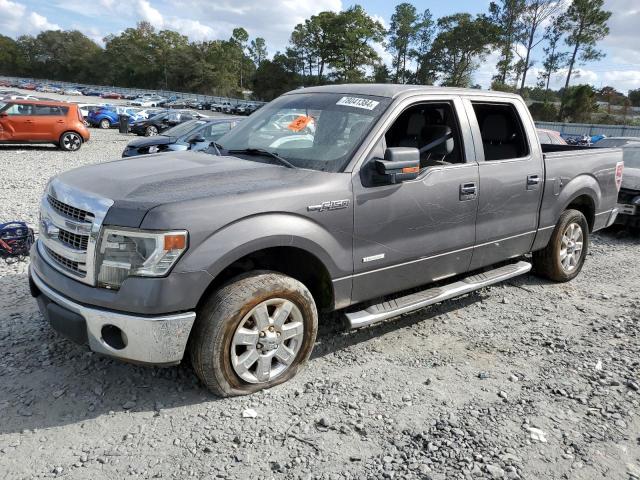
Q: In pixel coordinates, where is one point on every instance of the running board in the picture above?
(415, 301)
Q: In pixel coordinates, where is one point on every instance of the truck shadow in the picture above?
(48, 381)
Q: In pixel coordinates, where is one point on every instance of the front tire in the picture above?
(70, 141)
(254, 333)
(151, 131)
(563, 257)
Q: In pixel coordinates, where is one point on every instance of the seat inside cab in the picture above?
(433, 129)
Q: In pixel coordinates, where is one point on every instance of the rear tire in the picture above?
(253, 333)
(151, 131)
(70, 141)
(104, 124)
(563, 257)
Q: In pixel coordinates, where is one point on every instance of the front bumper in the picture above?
(157, 340)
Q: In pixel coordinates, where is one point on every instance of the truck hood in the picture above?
(139, 184)
(631, 179)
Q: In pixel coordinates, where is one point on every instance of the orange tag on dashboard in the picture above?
(300, 123)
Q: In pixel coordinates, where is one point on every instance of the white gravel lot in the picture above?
(528, 379)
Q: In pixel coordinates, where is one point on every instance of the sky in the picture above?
(274, 20)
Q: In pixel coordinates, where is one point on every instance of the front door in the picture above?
(413, 233)
(18, 124)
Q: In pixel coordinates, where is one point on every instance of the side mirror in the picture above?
(400, 164)
(197, 138)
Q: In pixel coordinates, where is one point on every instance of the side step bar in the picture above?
(415, 301)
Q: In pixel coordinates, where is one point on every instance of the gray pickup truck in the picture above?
(375, 200)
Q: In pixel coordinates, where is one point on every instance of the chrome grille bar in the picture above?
(70, 223)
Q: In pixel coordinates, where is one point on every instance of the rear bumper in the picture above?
(156, 340)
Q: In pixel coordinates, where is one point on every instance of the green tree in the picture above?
(353, 51)
(543, 111)
(381, 74)
(554, 58)
(510, 31)
(579, 104)
(634, 97)
(401, 35)
(421, 53)
(461, 42)
(535, 14)
(258, 50)
(240, 37)
(10, 56)
(585, 23)
(274, 77)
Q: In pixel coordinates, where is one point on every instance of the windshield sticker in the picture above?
(358, 103)
(300, 123)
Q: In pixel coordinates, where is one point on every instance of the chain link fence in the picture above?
(135, 91)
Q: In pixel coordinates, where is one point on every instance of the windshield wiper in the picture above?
(260, 151)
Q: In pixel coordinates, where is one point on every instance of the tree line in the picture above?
(333, 47)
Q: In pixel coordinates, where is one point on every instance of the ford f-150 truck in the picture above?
(375, 200)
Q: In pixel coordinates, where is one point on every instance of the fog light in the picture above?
(114, 337)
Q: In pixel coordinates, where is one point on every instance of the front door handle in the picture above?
(468, 191)
(532, 182)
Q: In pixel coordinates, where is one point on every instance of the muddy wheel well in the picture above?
(584, 204)
(295, 262)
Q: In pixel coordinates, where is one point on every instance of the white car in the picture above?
(147, 101)
(72, 91)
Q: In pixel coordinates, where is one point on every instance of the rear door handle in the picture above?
(468, 191)
(532, 182)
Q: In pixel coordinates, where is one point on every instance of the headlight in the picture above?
(125, 253)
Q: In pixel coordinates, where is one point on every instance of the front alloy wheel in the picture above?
(253, 333)
(151, 131)
(267, 340)
(571, 247)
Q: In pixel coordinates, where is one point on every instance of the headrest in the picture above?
(495, 128)
(431, 133)
(416, 124)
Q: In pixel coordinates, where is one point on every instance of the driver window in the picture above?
(432, 128)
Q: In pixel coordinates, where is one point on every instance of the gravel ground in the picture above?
(527, 380)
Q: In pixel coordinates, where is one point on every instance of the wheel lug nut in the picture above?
(271, 329)
(259, 346)
(262, 334)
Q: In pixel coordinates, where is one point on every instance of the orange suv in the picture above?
(30, 121)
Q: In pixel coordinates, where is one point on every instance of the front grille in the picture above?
(627, 196)
(73, 240)
(65, 262)
(68, 210)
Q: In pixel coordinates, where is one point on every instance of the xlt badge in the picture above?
(330, 205)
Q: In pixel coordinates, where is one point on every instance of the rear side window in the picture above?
(545, 138)
(502, 132)
(46, 110)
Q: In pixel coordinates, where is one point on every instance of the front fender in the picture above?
(262, 231)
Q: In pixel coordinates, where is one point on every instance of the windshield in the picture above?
(183, 128)
(319, 131)
(631, 157)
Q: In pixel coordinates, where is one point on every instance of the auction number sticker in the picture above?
(356, 102)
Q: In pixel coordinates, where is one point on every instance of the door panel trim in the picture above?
(424, 259)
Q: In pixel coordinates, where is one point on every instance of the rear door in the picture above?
(415, 232)
(49, 122)
(511, 178)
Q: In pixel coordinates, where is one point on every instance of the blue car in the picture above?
(194, 135)
(107, 117)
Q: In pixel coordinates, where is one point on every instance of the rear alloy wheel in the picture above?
(562, 259)
(104, 124)
(70, 141)
(254, 333)
(151, 131)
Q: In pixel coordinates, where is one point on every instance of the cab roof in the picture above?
(390, 90)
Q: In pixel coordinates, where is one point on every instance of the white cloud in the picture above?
(16, 19)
